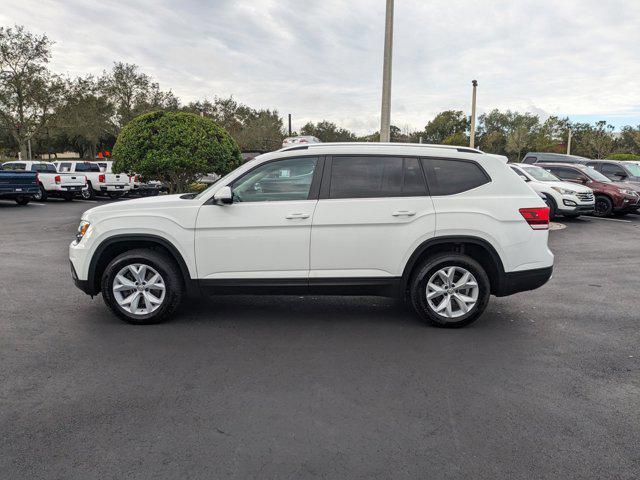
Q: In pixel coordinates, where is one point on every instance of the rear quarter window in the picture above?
(448, 177)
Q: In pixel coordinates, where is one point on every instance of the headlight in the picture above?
(625, 191)
(82, 230)
(564, 191)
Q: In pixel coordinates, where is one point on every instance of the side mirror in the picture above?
(223, 196)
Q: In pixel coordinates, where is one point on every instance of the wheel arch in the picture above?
(114, 246)
(477, 248)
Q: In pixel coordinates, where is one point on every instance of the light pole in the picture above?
(385, 114)
(472, 135)
(569, 143)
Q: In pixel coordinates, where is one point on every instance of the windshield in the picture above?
(633, 168)
(540, 174)
(595, 175)
(43, 168)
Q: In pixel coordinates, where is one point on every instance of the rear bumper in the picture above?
(24, 191)
(115, 188)
(522, 281)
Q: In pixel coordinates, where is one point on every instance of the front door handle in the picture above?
(293, 216)
(403, 213)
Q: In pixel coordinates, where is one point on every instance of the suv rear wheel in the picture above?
(450, 290)
(142, 286)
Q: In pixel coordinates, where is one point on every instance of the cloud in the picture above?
(322, 60)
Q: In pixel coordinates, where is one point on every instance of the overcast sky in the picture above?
(323, 59)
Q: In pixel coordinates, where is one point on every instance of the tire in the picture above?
(571, 215)
(115, 195)
(620, 214)
(68, 197)
(86, 193)
(170, 276)
(428, 272)
(22, 200)
(603, 206)
(553, 208)
(91, 193)
(41, 196)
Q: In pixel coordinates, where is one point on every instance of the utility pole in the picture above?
(289, 124)
(29, 144)
(569, 143)
(472, 135)
(385, 114)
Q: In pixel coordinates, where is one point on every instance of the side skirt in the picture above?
(375, 286)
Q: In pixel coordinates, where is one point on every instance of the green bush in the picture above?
(176, 147)
(623, 156)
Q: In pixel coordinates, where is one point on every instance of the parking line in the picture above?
(85, 201)
(611, 219)
(38, 204)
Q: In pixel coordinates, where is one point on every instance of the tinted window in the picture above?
(9, 166)
(87, 167)
(372, 177)
(274, 181)
(448, 177)
(366, 177)
(566, 173)
(530, 160)
(612, 171)
(43, 167)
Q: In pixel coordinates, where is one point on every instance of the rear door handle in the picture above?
(293, 216)
(403, 213)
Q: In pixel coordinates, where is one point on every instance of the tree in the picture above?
(132, 93)
(84, 117)
(176, 147)
(446, 125)
(251, 128)
(520, 132)
(29, 93)
(629, 140)
(601, 139)
(328, 132)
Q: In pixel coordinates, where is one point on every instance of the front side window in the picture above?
(276, 181)
(376, 176)
(448, 177)
(612, 171)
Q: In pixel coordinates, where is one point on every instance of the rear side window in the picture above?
(530, 160)
(43, 168)
(566, 173)
(377, 176)
(448, 177)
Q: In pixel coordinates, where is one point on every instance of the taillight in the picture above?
(137, 178)
(57, 179)
(101, 178)
(537, 218)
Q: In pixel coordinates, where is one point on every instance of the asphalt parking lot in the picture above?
(545, 385)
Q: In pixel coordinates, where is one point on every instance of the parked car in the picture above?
(546, 157)
(51, 182)
(18, 185)
(618, 171)
(113, 185)
(373, 209)
(143, 189)
(563, 198)
(299, 140)
(612, 198)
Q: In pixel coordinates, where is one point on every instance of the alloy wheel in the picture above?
(139, 289)
(452, 292)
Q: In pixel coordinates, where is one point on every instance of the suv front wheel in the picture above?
(142, 286)
(450, 290)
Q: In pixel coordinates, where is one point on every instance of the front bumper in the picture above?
(81, 284)
(522, 281)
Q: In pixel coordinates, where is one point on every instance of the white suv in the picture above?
(562, 198)
(442, 226)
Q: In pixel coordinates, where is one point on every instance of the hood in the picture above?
(576, 187)
(140, 205)
(626, 185)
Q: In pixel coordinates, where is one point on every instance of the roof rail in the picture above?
(381, 144)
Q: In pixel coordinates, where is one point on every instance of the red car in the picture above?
(612, 198)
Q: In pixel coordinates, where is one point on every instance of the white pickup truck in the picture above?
(51, 182)
(113, 185)
(142, 189)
